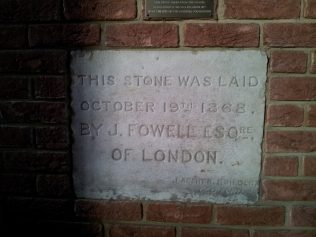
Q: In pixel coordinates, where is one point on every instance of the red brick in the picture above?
(53, 87)
(185, 213)
(193, 232)
(285, 115)
(2, 210)
(40, 207)
(1, 165)
(52, 138)
(262, 9)
(304, 216)
(64, 35)
(26, 227)
(310, 9)
(313, 66)
(289, 190)
(14, 87)
(141, 231)
(54, 185)
(221, 35)
(100, 9)
(280, 166)
(108, 210)
(289, 35)
(288, 61)
(15, 137)
(13, 37)
(310, 166)
(29, 10)
(43, 112)
(294, 141)
(311, 119)
(292, 88)
(17, 184)
(53, 229)
(142, 35)
(37, 162)
(34, 61)
(284, 233)
(242, 215)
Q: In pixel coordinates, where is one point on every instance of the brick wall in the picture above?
(36, 192)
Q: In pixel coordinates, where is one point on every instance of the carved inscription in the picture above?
(178, 8)
(168, 125)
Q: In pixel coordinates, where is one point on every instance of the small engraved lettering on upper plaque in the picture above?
(179, 8)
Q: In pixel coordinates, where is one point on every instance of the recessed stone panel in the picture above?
(168, 125)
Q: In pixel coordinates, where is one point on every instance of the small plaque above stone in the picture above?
(179, 8)
(168, 125)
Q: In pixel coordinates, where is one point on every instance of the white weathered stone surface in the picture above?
(139, 139)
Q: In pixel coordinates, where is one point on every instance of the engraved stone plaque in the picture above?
(179, 8)
(168, 125)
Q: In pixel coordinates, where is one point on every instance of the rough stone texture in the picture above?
(219, 160)
(289, 190)
(141, 231)
(221, 35)
(213, 232)
(292, 88)
(289, 35)
(262, 9)
(142, 35)
(64, 35)
(288, 61)
(108, 210)
(12, 37)
(254, 216)
(310, 166)
(304, 216)
(53, 87)
(291, 141)
(280, 166)
(100, 9)
(179, 213)
(29, 10)
(310, 9)
(285, 115)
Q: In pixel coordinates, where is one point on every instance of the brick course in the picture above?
(289, 190)
(142, 35)
(289, 35)
(254, 216)
(221, 35)
(100, 10)
(107, 210)
(288, 61)
(179, 213)
(262, 9)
